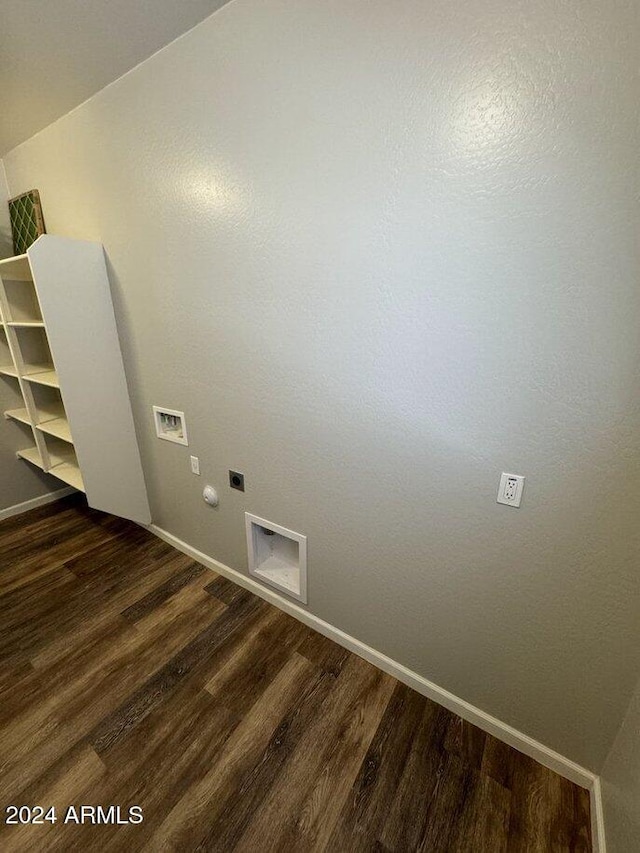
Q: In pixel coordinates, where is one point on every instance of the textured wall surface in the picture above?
(379, 253)
(18, 481)
(621, 784)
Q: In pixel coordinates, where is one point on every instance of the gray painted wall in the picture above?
(621, 784)
(19, 481)
(379, 253)
(74, 49)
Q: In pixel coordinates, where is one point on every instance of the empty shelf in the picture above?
(32, 454)
(58, 427)
(16, 269)
(21, 415)
(69, 474)
(63, 466)
(42, 373)
(26, 324)
(36, 368)
(50, 412)
(45, 376)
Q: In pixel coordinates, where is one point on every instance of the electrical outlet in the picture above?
(510, 490)
(195, 465)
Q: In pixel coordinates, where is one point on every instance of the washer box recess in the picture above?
(170, 425)
(277, 556)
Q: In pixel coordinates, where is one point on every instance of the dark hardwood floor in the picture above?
(132, 676)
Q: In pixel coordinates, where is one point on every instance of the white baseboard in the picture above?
(504, 732)
(43, 500)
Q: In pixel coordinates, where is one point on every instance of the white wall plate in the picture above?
(510, 489)
(170, 425)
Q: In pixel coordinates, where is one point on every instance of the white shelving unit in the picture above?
(59, 347)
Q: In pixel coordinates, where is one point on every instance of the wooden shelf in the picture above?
(21, 305)
(9, 370)
(52, 421)
(32, 454)
(50, 412)
(16, 268)
(62, 455)
(64, 465)
(58, 427)
(21, 415)
(36, 368)
(69, 474)
(42, 375)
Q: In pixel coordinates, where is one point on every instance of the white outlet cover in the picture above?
(510, 489)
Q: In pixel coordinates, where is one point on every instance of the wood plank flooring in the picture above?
(132, 676)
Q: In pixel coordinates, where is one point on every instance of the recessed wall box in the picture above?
(170, 425)
(236, 480)
(277, 556)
